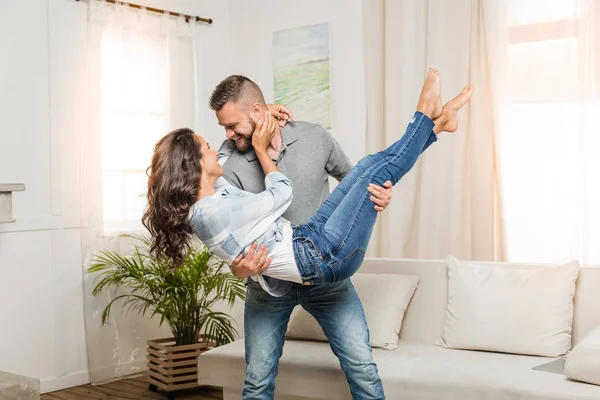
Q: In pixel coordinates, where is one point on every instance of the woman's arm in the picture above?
(261, 138)
(267, 164)
(243, 215)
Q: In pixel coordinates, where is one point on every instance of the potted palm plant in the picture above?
(184, 298)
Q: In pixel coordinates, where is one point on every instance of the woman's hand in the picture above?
(263, 133)
(282, 113)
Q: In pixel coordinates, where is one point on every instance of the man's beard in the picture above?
(244, 144)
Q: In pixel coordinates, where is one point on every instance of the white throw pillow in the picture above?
(583, 362)
(384, 297)
(510, 308)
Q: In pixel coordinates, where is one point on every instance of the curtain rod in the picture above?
(158, 10)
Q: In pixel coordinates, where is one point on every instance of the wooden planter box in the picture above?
(173, 367)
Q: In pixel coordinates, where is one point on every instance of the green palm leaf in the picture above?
(183, 298)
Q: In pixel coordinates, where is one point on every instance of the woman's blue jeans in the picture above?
(331, 246)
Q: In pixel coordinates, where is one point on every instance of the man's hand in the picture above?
(381, 196)
(252, 264)
(282, 113)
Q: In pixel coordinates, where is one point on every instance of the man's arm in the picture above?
(339, 165)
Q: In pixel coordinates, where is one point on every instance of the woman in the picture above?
(187, 195)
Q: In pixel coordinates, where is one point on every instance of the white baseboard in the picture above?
(102, 376)
(62, 382)
(123, 371)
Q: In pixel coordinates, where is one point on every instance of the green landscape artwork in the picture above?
(301, 72)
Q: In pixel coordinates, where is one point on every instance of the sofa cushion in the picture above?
(384, 298)
(512, 310)
(583, 362)
(412, 372)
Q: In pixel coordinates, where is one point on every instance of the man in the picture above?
(307, 154)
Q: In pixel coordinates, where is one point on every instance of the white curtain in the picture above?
(139, 84)
(449, 203)
(520, 180)
(549, 137)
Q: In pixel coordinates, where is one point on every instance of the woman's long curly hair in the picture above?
(173, 185)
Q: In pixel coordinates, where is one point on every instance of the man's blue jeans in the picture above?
(331, 246)
(338, 310)
(329, 249)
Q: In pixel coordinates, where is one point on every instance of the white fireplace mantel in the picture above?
(6, 190)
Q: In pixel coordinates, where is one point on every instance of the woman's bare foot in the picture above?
(430, 102)
(447, 121)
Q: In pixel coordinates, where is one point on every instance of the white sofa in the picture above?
(418, 369)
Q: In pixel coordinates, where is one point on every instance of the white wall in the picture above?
(251, 27)
(42, 43)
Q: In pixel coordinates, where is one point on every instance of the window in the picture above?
(134, 104)
(547, 170)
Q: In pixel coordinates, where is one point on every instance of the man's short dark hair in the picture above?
(235, 88)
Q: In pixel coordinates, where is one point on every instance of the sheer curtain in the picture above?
(449, 203)
(520, 180)
(549, 138)
(140, 83)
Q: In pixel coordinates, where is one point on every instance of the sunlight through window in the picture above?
(133, 118)
(550, 178)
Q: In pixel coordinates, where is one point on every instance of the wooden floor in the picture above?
(130, 389)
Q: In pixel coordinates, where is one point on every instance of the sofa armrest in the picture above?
(583, 362)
